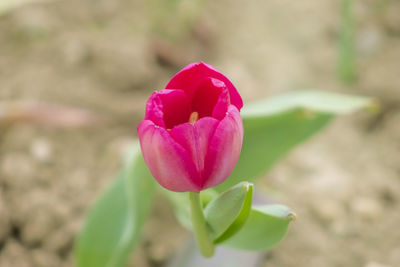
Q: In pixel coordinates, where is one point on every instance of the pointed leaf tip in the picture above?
(265, 228)
(292, 216)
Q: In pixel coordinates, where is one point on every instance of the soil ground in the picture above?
(108, 56)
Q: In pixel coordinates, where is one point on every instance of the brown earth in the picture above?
(108, 56)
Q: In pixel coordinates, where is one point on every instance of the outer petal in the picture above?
(195, 138)
(224, 148)
(169, 163)
(189, 78)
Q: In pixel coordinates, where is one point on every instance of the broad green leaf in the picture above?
(313, 101)
(227, 213)
(114, 225)
(265, 227)
(274, 126)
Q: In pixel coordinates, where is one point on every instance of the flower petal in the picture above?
(224, 148)
(154, 110)
(221, 107)
(169, 163)
(168, 108)
(207, 96)
(190, 77)
(195, 138)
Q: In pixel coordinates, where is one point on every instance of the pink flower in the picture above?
(192, 133)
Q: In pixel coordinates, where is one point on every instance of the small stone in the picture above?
(367, 208)
(41, 150)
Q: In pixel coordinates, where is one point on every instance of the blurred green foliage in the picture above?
(347, 69)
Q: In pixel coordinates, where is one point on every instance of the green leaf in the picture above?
(228, 212)
(265, 227)
(317, 101)
(114, 225)
(274, 126)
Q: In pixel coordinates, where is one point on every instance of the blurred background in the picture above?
(74, 77)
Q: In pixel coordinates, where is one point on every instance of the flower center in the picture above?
(194, 117)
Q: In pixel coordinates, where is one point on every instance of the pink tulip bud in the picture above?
(192, 133)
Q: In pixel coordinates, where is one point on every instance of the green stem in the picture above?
(201, 233)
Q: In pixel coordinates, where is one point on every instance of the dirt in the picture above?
(108, 56)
